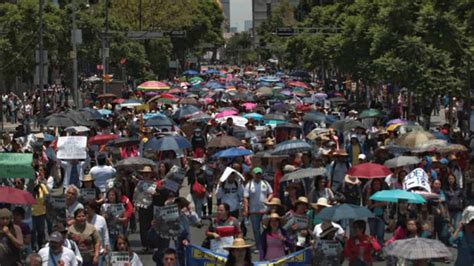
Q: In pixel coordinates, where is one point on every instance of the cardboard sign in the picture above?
(167, 223)
(120, 259)
(417, 179)
(72, 147)
(16, 165)
(88, 194)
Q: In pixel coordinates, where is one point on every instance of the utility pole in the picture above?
(105, 52)
(74, 56)
(41, 58)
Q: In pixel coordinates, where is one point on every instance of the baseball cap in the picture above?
(55, 237)
(257, 170)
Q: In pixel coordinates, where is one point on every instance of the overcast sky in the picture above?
(240, 10)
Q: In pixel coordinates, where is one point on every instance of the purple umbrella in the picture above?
(321, 95)
(396, 121)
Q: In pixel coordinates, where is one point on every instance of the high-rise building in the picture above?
(247, 25)
(261, 9)
(226, 8)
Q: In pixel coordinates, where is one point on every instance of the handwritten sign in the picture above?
(72, 147)
(88, 194)
(120, 259)
(417, 179)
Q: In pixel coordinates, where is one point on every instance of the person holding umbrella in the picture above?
(358, 247)
(464, 237)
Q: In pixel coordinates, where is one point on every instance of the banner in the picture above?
(199, 256)
(16, 165)
(72, 147)
(417, 179)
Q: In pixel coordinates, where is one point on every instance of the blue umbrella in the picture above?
(214, 85)
(190, 72)
(212, 72)
(274, 122)
(440, 135)
(159, 121)
(345, 211)
(184, 111)
(168, 143)
(105, 112)
(151, 115)
(232, 152)
(291, 147)
(254, 116)
(395, 195)
(269, 79)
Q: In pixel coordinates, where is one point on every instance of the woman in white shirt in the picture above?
(121, 244)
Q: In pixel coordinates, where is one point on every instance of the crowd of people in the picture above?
(231, 156)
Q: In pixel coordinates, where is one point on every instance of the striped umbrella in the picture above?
(291, 147)
(153, 85)
(418, 248)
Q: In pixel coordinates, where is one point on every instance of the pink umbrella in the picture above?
(249, 106)
(226, 113)
(208, 100)
(298, 84)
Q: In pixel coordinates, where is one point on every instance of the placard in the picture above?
(227, 172)
(56, 208)
(300, 220)
(171, 185)
(72, 147)
(88, 194)
(176, 173)
(417, 179)
(120, 259)
(167, 223)
(218, 245)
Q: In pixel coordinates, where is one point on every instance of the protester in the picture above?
(359, 247)
(56, 254)
(275, 240)
(11, 239)
(239, 253)
(86, 237)
(121, 244)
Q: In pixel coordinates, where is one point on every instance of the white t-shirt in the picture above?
(231, 193)
(67, 256)
(102, 173)
(101, 225)
(257, 193)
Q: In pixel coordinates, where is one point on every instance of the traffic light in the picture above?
(107, 78)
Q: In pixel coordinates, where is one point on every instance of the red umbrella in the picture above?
(369, 170)
(101, 139)
(298, 84)
(118, 101)
(16, 196)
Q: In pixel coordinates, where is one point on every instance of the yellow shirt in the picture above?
(40, 208)
(355, 154)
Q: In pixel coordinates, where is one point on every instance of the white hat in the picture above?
(468, 214)
(362, 156)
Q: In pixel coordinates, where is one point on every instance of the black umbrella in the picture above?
(185, 111)
(134, 163)
(289, 126)
(79, 118)
(345, 211)
(159, 121)
(314, 117)
(102, 122)
(275, 116)
(60, 120)
(346, 125)
(123, 142)
(300, 74)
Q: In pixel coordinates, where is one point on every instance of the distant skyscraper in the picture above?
(226, 8)
(247, 25)
(261, 9)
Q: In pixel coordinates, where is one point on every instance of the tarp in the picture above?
(16, 165)
(199, 256)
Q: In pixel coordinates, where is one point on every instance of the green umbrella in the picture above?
(195, 80)
(368, 113)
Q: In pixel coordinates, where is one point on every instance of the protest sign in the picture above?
(120, 259)
(171, 185)
(16, 165)
(217, 245)
(56, 208)
(112, 213)
(167, 221)
(417, 179)
(72, 147)
(227, 172)
(300, 220)
(88, 194)
(176, 174)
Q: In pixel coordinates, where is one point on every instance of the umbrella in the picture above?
(414, 139)
(200, 117)
(317, 132)
(292, 146)
(90, 113)
(440, 135)
(212, 72)
(314, 117)
(153, 85)
(418, 248)
(226, 113)
(369, 113)
(298, 84)
(395, 195)
(232, 152)
(185, 111)
(102, 122)
(268, 154)
(59, 120)
(107, 96)
(13, 195)
(346, 125)
(131, 103)
(289, 126)
(223, 142)
(321, 95)
(304, 173)
(159, 121)
(123, 142)
(429, 145)
(453, 148)
(249, 106)
(397, 121)
(338, 100)
(134, 162)
(195, 80)
(101, 139)
(190, 72)
(168, 143)
(80, 118)
(344, 211)
(265, 91)
(188, 100)
(118, 101)
(77, 129)
(401, 161)
(369, 170)
(254, 116)
(238, 120)
(104, 112)
(275, 116)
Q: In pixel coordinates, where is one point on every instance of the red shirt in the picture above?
(357, 247)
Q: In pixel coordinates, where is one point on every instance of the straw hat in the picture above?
(238, 243)
(303, 200)
(340, 152)
(321, 202)
(87, 178)
(274, 201)
(269, 142)
(273, 215)
(146, 169)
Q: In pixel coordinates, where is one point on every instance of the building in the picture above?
(261, 9)
(226, 8)
(248, 25)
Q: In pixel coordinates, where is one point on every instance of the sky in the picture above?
(240, 10)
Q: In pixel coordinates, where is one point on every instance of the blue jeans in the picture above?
(37, 232)
(377, 229)
(256, 220)
(455, 218)
(198, 203)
